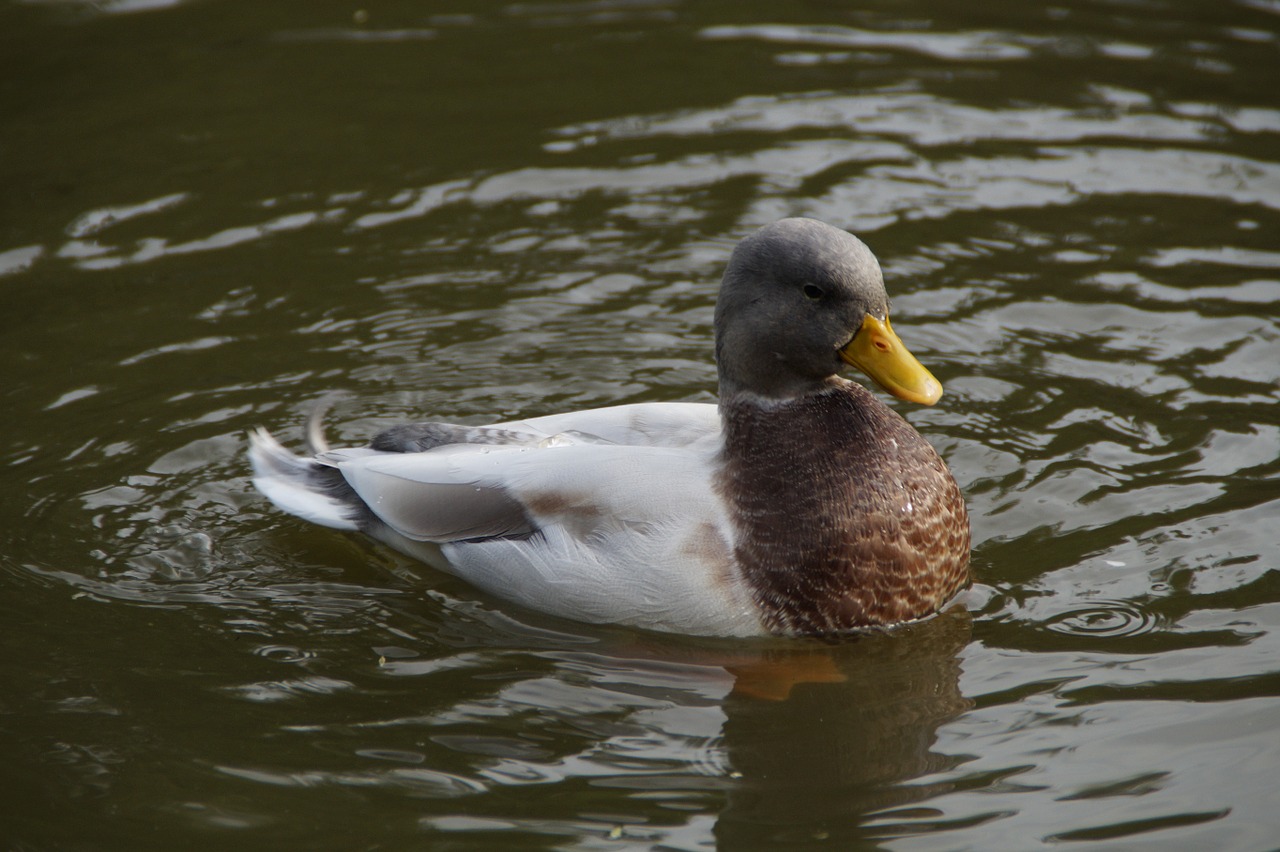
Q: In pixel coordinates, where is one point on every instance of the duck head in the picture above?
(799, 300)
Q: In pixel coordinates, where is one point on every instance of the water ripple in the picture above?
(1104, 619)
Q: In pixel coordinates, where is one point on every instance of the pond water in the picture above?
(213, 214)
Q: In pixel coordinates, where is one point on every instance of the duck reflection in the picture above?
(792, 742)
(847, 737)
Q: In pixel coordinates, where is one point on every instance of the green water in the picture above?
(213, 214)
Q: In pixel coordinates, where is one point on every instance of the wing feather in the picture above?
(645, 424)
(429, 497)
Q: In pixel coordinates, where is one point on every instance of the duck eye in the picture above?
(814, 292)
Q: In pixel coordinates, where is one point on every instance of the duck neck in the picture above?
(769, 395)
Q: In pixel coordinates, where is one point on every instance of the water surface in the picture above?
(213, 214)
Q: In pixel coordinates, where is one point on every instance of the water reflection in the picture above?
(853, 750)
(798, 743)
(112, 7)
(901, 158)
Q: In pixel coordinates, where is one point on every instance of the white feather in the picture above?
(621, 533)
(286, 480)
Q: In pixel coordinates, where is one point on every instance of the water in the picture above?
(214, 214)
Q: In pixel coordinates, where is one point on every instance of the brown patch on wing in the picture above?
(708, 546)
(845, 516)
(560, 503)
(578, 513)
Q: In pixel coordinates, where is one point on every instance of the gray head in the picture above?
(799, 300)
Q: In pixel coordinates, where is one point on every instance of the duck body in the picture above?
(800, 505)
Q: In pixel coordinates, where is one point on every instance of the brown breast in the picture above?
(846, 517)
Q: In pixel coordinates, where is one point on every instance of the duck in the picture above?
(798, 504)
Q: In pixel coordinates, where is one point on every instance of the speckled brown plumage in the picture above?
(846, 517)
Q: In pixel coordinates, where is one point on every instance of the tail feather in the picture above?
(304, 487)
(316, 442)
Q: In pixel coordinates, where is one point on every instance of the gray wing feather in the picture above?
(424, 509)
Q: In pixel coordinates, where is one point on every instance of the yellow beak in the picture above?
(877, 351)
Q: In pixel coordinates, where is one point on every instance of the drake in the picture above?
(800, 505)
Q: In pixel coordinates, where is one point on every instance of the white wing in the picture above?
(591, 531)
(646, 424)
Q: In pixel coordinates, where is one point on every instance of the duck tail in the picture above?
(304, 487)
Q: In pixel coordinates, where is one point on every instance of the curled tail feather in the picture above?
(304, 487)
